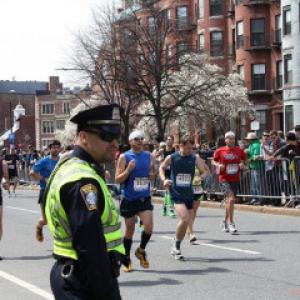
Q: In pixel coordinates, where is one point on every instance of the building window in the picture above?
(47, 127)
(278, 28)
(60, 124)
(47, 109)
(261, 117)
(182, 17)
(279, 74)
(215, 8)
(66, 108)
(169, 54)
(238, 2)
(151, 25)
(257, 32)
(46, 143)
(288, 73)
(259, 77)
(289, 117)
(241, 71)
(201, 42)
(182, 48)
(216, 43)
(287, 28)
(201, 9)
(240, 34)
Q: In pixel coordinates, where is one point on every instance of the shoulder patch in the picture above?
(89, 194)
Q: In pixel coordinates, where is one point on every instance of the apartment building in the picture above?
(241, 36)
(290, 11)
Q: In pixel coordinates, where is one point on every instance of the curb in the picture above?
(281, 211)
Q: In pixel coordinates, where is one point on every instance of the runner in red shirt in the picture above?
(229, 160)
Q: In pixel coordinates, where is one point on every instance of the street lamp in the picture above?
(11, 137)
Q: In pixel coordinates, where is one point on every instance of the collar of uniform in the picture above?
(82, 154)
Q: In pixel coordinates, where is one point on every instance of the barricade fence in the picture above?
(275, 182)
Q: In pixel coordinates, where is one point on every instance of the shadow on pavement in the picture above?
(29, 257)
(160, 281)
(173, 232)
(217, 260)
(268, 232)
(185, 271)
(226, 241)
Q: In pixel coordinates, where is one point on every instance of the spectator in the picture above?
(297, 132)
(253, 153)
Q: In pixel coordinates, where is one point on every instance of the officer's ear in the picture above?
(83, 137)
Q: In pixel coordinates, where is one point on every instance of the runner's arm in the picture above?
(202, 166)
(122, 172)
(163, 166)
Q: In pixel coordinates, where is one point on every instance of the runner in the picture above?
(229, 161)
(12, 161)
(198, 196)
(41, 171)
(135, 169)
(5, 182)
(182, 165)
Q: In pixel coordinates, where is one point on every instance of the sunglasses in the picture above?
(137, 139)
(105, 136)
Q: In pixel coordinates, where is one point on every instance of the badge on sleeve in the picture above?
(89, 195)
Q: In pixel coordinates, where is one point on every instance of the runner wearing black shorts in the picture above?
(229, 161)
(135, 169)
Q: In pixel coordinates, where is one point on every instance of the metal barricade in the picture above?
(274, 182)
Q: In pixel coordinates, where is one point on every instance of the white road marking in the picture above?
(28, 286)
(23, 209)
(216, 246)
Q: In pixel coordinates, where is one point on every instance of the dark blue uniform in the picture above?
(94, 276)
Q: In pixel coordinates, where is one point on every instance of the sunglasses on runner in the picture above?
(137, 139)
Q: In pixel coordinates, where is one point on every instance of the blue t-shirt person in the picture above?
(44, 168)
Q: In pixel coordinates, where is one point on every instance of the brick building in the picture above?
(13, 93)
(47, 107)
(242, 36)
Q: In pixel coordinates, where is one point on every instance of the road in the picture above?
(262, 262)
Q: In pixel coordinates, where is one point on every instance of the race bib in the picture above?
(141, 184)
(11, 167)
(197, 189)
(232, 169)
(183, 180)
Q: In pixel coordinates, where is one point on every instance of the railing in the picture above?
(256, 41)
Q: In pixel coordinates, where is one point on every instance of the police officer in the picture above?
(81, 215)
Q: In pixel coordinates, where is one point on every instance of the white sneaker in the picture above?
(232, 228)
(224, 226)
(177, 253)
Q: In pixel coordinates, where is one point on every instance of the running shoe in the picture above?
(127, 265)
(232, 228)
(39, 233)
(193, 239)
(172, 213)
(142, 257)
(176, 253)
(224, 226)
(164, 211)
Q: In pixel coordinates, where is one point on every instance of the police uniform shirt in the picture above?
(79, 200)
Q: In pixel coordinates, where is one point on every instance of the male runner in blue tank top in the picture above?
(135, 169)
(183, 165)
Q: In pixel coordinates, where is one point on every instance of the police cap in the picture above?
(100, 119)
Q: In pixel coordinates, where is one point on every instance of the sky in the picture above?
(37, 37)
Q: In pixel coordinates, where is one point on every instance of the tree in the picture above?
(129, 59)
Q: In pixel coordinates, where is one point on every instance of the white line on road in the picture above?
(30, 287)
(23, 209)
(216, 246)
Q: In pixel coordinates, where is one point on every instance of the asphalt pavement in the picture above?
(261, 262)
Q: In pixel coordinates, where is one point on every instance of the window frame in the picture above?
(215, 8)
(45, 111)
(259, 78)
(288, 74)
(257, 38)
(239, 37)
(287, 26)
(215, 47)
(182, 22)
(51, 128)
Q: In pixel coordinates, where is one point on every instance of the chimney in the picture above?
(55, 87)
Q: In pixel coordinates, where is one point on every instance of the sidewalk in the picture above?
(284, 211)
